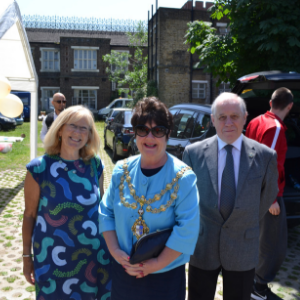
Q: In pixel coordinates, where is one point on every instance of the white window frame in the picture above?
(94, 88)
(113, 86)
(46, 88)
(223, 88)
(80, 48)
(111, 67)
(205, 82)
(43, 49)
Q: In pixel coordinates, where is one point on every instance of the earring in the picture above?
(59, 138)
(86, 145)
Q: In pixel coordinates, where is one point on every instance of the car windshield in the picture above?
(114, 113)
(184, 121)
(128, 115)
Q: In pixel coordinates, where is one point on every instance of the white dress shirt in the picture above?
(222, 153)
(44, 127)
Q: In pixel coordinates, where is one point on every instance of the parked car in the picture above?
(192, 123)
(111, 115)
(117, 103)
(7, 123)
(256, 89)
(26, 99)
(118, 133)
(20, 119)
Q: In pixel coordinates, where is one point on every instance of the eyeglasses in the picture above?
(157, 131)
(61, 101)
(81, 129)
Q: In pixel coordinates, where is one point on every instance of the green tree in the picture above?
(133, 78)
(264, 35)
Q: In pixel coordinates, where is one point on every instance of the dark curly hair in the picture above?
(151, 109)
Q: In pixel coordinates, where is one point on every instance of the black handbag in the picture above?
(149, 246)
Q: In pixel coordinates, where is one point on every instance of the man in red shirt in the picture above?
(269, 129)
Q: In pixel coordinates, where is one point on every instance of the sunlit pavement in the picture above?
(13, 284)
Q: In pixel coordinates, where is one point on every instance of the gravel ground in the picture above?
(13, 284)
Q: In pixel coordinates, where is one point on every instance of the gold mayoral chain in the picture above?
(139, 228)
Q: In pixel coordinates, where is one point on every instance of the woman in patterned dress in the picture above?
(62, 195)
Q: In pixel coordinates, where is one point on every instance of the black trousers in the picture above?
(236, 285)
(272, 245)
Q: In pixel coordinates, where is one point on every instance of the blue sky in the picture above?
(117, 9)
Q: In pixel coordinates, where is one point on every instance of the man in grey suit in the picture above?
(237, 180)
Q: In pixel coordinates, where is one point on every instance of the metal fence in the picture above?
(77, 23)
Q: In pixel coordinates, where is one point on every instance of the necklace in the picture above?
(139, 228)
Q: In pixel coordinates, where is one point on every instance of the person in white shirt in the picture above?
(59, 103)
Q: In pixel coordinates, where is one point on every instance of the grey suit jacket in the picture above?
(232, 244)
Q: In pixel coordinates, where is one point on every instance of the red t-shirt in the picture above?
(269, 129)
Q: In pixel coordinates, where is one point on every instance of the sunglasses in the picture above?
(61, 101)
(157, 131)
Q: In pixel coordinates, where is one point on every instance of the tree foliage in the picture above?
(264, 35)
(127, 71)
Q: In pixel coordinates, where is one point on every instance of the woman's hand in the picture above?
(28, 269)
(154, 264)
(143, 269)
(121, 257)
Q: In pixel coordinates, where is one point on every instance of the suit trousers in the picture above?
(236, 285)
(272, 245)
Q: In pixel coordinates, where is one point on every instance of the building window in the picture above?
(85, 97)
(199, 89)
(124, 59)
(47, 95)
(50, 60)
(224, 87)
(85, 59)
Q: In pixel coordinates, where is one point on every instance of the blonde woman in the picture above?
(62, 194)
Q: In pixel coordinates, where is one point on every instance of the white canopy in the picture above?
(16, 62)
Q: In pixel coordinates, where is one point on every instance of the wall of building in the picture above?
(173, 67)
(69, 78)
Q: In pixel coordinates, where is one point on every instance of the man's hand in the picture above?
(275, 209)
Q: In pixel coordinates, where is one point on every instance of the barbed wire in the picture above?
(80, 23)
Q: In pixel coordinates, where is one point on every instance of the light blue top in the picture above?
(182, 215)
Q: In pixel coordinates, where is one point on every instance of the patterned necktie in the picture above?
(227, 185)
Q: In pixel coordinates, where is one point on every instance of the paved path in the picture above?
(12, 281)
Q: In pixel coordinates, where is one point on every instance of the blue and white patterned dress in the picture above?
(71, 259)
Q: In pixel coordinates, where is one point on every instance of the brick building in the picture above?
(70, 62)
(170, 64)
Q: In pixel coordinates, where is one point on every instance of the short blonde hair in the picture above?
(52, 141)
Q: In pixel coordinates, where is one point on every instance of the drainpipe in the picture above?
(191, 57)
(148, 73)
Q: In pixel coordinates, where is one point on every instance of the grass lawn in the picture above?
(20, 154)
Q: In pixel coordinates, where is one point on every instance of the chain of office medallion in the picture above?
(141, 200)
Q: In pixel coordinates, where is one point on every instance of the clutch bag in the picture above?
(149, 246)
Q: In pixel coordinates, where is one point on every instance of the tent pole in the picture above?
(33, 124)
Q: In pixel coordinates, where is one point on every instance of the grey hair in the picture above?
(229, 97)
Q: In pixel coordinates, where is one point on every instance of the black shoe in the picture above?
(266, 294)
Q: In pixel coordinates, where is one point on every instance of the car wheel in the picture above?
(105, 143)
(114, 156)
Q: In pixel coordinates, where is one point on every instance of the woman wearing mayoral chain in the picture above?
(150, 192)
